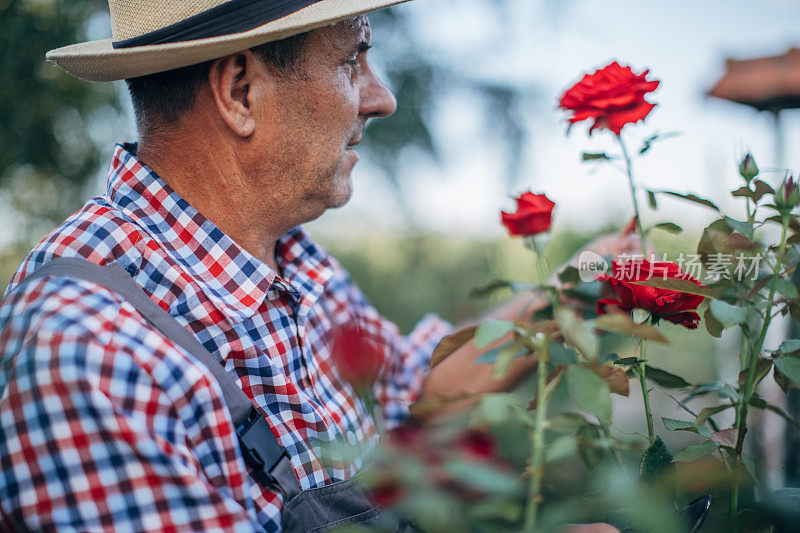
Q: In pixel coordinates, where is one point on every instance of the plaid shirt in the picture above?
(105, 424)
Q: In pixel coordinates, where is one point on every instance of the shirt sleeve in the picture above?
(402, 380)
(106, 425)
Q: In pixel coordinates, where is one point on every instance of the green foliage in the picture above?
(590, 393)
(657, 465)
(46, 116)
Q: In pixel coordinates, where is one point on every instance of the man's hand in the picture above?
(610, 244)
(457, 376)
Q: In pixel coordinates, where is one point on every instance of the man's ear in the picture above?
(231, 79)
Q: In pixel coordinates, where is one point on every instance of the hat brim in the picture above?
(100, 61)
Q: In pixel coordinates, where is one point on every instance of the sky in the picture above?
(547, 46)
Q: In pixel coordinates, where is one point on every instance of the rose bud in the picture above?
(534, 215)
(612, 96)
(357, 357)
(674, 306)
(748, 168)
(787, 197)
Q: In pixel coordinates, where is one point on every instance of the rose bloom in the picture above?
(677, 307)
(357, 356)
(613, 96)
(534, 215)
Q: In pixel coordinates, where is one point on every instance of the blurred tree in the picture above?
(45, 115)
(422, 82)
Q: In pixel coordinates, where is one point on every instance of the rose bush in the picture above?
(674, 306)
(533, 215)
(566, 419)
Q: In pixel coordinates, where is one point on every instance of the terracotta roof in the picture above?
(766, 83)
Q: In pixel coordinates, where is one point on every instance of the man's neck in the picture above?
(212, 181)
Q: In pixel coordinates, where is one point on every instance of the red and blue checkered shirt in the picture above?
(106, 424)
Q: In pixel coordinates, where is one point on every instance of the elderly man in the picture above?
(112, 414)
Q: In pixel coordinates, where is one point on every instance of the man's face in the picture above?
(319, 115)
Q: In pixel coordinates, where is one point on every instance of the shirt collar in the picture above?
(233, 278)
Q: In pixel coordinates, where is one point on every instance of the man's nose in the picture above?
(377, 101)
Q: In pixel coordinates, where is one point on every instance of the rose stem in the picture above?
(629, 169)
(651, 434)
(749, 386)
(538, 439)
(638, 218)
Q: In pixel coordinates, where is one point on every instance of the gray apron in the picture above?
(326, 508)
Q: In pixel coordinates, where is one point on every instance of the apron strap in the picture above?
(262, 451)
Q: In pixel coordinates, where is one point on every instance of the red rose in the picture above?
(677, 307)
(358, 357)
(534, 214)
(612, 96)
(478, 445)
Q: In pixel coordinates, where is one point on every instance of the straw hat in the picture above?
(152, 36)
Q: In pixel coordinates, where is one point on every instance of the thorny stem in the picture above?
(651, 434)
(537, 469)
(749, 386)
(629, 169)
(756, 349)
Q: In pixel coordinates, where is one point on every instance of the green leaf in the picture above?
(669, 227)
(762, 188)
(760, 403)
(691, 198)
(586, 156)
(561, 355)
(493, 510)
(651, 199)
(566, 422)
(675, 284)
(787, 288)
(684, 425)
(714, 239)
(496, 407)
(729, 392)
(702, 389)
(708, 412)
(743, 192)
(492, 330)
(629, 361)
(713, 326)
(590, 453)
(728, 315)
(500, 284)
(619, 323)
(577, 332)
(745, 228)
(484, 477)
(693, 453)
(789, 346)
(590, 393)
(570, 274)
(763, 366)
(560, 448)
(489, 357)
(664, 378)
(789, 367)
(504, 359)
(657, 463)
